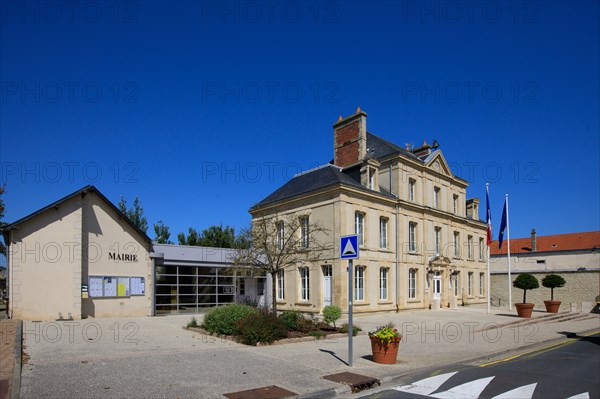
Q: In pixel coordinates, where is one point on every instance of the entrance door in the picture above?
(437, 285)
(326, 285)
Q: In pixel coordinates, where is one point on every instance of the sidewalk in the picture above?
(8, 352)
(155, 357)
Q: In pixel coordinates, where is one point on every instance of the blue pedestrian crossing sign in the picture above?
(349, 247)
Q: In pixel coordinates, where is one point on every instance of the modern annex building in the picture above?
(421, 240)
(81, 257)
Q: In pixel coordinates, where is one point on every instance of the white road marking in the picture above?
(524, 392)
(427, 385)
(467, 390)
(585, 395)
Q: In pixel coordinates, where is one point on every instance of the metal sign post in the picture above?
(349, 250)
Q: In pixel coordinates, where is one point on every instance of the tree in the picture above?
(526, 281)
(218, 237)
(2, 246)
(553, 281)
(135, 214)
(162, 233)
(192, 238)
(280, 242)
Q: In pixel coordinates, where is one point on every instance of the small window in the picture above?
(437, 239)
(481, 283)
(436, 197)
(481, 256)
(456, 282)
(411, 189)
(412, 237)
(412, 283)
(470, 247)
(241, 286)
(280, 285)
(383, 241)
(304, 283)
(455, 204)
(372, 178)
(383, 283)
(280, 235)
(359, 227)
(304, 231)
(456, 244)
(540, 261)
(470, 284)
(260, 286)
(359, 283)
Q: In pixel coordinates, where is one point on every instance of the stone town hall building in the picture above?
(421, 240)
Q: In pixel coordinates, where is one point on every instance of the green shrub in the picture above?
(526, 281)
(260, 327)
(192, 323)
(331, 314)
(317, 334)
(344, 329)
(306, 325)
(220, 320)
(290, 319)
(553, 281)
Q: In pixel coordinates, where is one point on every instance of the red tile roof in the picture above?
(558, 242)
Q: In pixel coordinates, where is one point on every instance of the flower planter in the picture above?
(384, 353)
(552, 306)
(524, 309)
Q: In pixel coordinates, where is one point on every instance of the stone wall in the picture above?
(581, 289)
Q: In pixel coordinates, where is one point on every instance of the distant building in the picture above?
(574, 256)
(421, 240)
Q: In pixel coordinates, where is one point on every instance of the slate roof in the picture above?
(321, 177)
(379, 148)
(86, 189)
(554, 243)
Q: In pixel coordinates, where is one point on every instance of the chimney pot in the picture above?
(533, 240)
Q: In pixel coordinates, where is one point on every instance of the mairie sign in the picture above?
(349, 247)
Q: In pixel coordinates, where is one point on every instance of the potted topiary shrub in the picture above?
(525, 281)
(553, 281)
(384, 344)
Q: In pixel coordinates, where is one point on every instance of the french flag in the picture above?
(489, 215)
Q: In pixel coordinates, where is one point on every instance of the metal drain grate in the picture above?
(357, 382)
(271, 392)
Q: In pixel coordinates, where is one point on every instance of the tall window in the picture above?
(280, 285)
(372, 179)
(260, 286)
(470, 247)
(437, 239)
(481, 283)
(436, 197)
(383, 283)
(412, 237)
(456, 244)
(280, 235)
(241, 286)
(359, 283)
(304, 284)
(455, 204)
(456, 280)
(304, 231)
(411, 189)
(359, 227)
(383, 222)
(412, 283)
(470, 282)
(480, 248)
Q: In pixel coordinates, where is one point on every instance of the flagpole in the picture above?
(508, 252)
(488, 220)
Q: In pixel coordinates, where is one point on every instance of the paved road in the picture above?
(568, 370)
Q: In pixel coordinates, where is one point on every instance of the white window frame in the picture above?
(383, 283)
(359, 227)
(280, 235)
(280, 285)
(457, 244)
(412, 237)
(304, 241)
(304, 284)
(455, 203)
(383, 232)
(412, 283)
(470, 247)
(470, 284)
(481, 255)
(411, 189)
(359, 283)
(436, 197)
(456, 281)
(437, 239)
(481, 283)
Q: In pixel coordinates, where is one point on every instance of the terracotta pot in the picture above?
(385, 353)
(552, 306)
(524, 309)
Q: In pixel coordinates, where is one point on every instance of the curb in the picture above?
(15, 390)
(387, 379)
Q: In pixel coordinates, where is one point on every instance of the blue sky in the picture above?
(204, 108)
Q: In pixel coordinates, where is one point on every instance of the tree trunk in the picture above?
(274, 292)
(524, 296)
(552, 293)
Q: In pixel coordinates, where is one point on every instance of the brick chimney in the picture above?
(533, 240)
(350, 139)
(423, 150)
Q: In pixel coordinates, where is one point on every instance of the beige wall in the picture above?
(580, 288)
(52, 254)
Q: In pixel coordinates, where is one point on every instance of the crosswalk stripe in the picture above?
(467, 390)
(427, 385)
(524, 392)
(584, 395)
